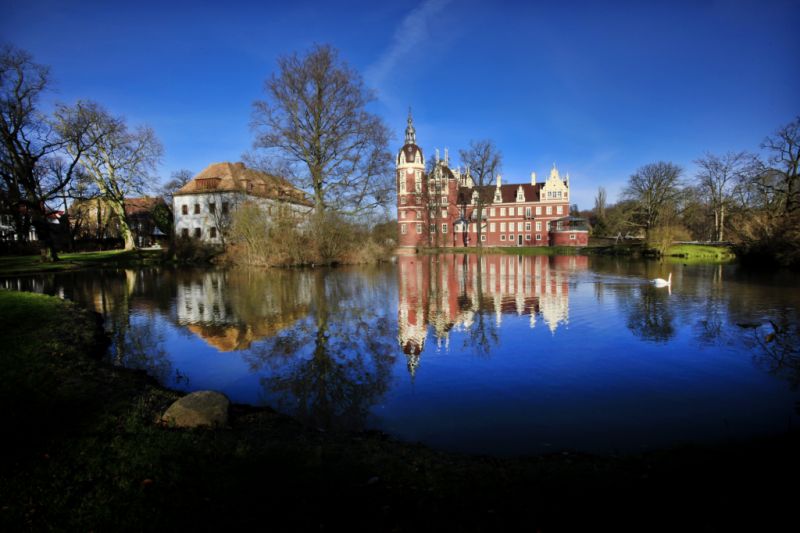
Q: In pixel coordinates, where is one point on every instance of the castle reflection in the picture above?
(457, 291)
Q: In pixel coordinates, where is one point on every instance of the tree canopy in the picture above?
(315, 118)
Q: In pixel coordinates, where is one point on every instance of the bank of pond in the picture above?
(534, 385)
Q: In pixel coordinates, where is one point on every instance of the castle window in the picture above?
(419, 215)
(492, 227)
(419, 229)
(185, 232)
(538, 237)
(212, 208)
(483, 237)
(572, 236)
(503, 237)
(527, 237)
(527, 212)
(444, 213)
(519, 226)
(197, 233)
(403, 200)
(402, 185)
(402, 229)
(185, 209)
(503, 227)
(527, 226)
(538, 225)
(549, 209)
(502, 211)
(433, 228)
(444, 200)
(225, 208)
(444, 228)
(491, 212)
(196, 209)
(511, 237)
(402, 214)
(213, 233)
(538, 210)
(559, 209)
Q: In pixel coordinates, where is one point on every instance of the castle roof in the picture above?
(235, 177)
(508, 192)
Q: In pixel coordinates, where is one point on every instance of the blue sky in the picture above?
(600, 88)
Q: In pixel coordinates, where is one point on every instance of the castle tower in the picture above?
(411, 212)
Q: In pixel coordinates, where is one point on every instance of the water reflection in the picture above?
(470, 293)
(477, 353)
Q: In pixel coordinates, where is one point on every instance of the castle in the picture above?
(438, 208)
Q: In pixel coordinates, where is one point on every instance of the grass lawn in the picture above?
(700, 253)
(19, 264)
(83, 453)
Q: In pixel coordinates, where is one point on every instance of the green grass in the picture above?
(69, 261)
(700, 253)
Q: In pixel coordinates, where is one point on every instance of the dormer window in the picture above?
(497, 197)
(520, 195)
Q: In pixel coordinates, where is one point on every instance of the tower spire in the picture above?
(411, 133)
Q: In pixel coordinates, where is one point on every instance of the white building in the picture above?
(203, 207)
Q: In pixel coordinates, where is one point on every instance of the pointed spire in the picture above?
(411, 133)
(446, 157)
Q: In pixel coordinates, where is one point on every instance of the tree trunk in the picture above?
(124, 228)
(721, 222)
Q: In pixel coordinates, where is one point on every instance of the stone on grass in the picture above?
(201, 408)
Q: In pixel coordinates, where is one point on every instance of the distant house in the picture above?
(140, 213)
(95, 220)
(202, 208)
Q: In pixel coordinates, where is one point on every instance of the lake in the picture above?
(495, 354)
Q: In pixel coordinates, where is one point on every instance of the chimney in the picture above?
(499, 180)
(533, 178)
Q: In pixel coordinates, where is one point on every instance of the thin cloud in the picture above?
(410, 35)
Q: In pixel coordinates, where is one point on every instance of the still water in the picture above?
(497, 354)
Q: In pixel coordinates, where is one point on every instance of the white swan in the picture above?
(658, 282)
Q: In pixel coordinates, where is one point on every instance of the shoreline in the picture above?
(101, 462)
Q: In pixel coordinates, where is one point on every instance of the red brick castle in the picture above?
(435, 208)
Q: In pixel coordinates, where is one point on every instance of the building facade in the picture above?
(437, 208)
(203, 207)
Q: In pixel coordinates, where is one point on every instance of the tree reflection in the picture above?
(650, 316)
(332, 367)
(482, 333)
(778, 348)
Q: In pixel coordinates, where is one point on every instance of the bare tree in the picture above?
(483, 161)
(718, 177)
(34, 167)
(655, 190)
(782, 165)
(600, 202)
(315, 119)
(177, 179)
(119, 161)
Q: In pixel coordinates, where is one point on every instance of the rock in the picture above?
(201, 408)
